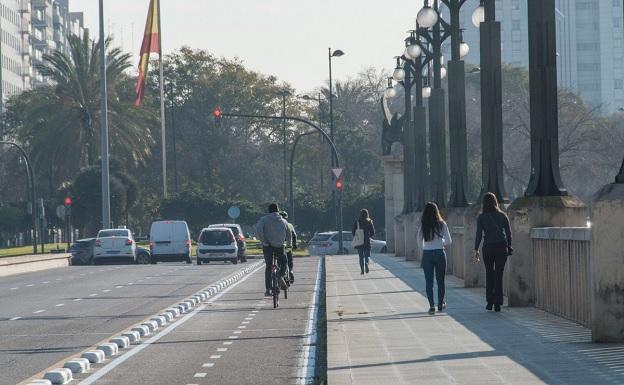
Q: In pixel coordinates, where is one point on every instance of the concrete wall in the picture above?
(393, 177)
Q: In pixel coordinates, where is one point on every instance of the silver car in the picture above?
(327, 244)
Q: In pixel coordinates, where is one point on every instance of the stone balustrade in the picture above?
(561, 264)
(456, 253)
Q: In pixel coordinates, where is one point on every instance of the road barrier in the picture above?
(30, 263)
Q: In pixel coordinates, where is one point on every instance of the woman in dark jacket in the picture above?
(493, 227)
(366, 224)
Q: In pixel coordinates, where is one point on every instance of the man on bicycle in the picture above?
(272, 230)
(291, 244)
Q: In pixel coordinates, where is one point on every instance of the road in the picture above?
(238, 338)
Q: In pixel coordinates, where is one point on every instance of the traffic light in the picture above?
(67, 202)
(339, 185)
(217, 116)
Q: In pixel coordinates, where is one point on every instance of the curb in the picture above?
(108, 349)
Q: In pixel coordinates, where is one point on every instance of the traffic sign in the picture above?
(337, 172)
(61, 211)
(234, 212)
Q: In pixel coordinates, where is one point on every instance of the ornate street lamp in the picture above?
(491, 100)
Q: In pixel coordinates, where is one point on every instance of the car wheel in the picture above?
(199, 261)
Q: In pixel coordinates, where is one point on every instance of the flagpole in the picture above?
(162, 104)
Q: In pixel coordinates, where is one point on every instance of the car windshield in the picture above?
(216, 238)
(234, 228)
(320, 237)
(112, 233)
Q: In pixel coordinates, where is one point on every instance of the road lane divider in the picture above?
(307, 360)
(106, 352)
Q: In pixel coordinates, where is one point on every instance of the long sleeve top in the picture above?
(438, 242)
(493, 228)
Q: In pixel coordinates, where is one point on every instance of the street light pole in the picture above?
(545, 178)
(337, 213)
(491, 101)
(172, 106)
(104, 126)
(284, 94)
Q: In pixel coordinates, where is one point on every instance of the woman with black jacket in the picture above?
(493, 227)
(365, 223)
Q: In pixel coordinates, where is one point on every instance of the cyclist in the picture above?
(271, 230)
(291, 244)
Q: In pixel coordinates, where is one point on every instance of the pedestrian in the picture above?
(493, 227)
(433, 236)
(272, 231)
(363, 230)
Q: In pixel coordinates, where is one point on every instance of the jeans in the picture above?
(364, 254)
(494, 258)
(271, 252)
(434, 260)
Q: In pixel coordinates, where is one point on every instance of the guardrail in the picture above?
(561, 263)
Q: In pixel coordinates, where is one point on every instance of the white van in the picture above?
(170, 241)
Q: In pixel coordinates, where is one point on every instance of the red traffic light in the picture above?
(339, 184)
(217, 112)
(67, 201)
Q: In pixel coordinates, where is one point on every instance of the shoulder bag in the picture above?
(358, 237)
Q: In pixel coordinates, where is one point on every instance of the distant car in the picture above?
(143, 255)
(327, 244)
(114, 245)
(170, 241)
(82, 251)
(240, 239)
(217, 244)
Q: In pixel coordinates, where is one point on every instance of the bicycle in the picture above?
(275, 289)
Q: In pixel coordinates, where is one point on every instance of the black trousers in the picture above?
(289, 255)
(269, 253)
(494, 258)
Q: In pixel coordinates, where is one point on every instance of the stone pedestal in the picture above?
(525, 214)
(411, 224)
(607, 264)
(394, 195)
(399, 236)
(463, 227)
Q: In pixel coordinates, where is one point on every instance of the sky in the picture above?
(285, 38)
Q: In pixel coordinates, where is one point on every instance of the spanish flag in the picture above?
(151, 43)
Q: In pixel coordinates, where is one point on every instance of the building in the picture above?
(12, 73)
(590, 45)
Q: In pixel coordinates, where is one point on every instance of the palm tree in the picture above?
(60, 122)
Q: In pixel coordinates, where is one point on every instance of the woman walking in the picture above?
(363, 230)
(432, 237)
(493, 228)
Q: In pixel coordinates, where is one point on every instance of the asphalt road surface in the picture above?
(46, 316)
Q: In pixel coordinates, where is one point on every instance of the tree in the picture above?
(60, 122)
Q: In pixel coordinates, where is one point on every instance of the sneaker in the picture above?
(442, 306)
(497, 308)
(488, 306)
(282, 283)
(366, 268)
(431, 310)
(267, 293)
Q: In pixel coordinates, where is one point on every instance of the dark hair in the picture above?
(273, 208)
(431, 222)
(490, 203)
(364, 214)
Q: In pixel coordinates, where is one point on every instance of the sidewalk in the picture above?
(379, 332)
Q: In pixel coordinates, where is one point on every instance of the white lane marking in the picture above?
(242, 327)
(118, 287)
(138, 348)
(15, 318)
(45, 282)
(245, 322)
(93, 295)
(215, 356)
(208, 365)
(237, 332)
(233, 337)
(255, 311)
(60, 304)
(105, 290)
(129, 283)
(227, 343)
(200, 375)
(307, 361)
(31, 285)
(39, 311)
(222, 349)
(77, 299)
(13, 288)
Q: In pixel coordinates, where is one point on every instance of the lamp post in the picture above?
(431, 22)
(172, 105)
(331, 54)
(545, 178)
(492, 176)
(104, 126)
(457, 104)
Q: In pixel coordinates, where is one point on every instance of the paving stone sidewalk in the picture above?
(379, 332)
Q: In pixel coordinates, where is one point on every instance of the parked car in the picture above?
(170, 241)
(326, 243)
(82, 251)
(114, 245)
(240, 239)
(143, 255)
(217, 244)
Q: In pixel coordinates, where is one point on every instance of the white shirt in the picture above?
(437, 243)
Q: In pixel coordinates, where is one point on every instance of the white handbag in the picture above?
(358, 238)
